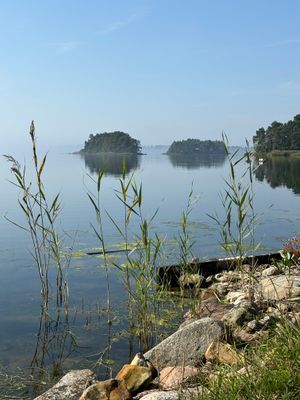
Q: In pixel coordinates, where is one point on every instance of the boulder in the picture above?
(175, 377)
(161, 395)
(223, 352)
(111, 389)
(70, 386)
(187, 345)
(185, 394)
(135, 376)
(210, 308)
(280, 287)
(270, 271)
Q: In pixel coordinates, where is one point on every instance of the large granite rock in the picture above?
(187, 345)
(280, 287)
(70, 386)
(210, 308)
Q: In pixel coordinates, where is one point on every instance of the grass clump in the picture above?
(272, 370)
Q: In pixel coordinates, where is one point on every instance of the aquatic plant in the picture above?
(138, 266)
(41, 216)
(237, 228)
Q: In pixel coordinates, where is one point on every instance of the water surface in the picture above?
(28, 337)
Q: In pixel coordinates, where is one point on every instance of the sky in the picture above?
(160, 70)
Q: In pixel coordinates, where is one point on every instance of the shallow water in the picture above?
(80, 339)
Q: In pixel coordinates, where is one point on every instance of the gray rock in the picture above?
(210, 308)
(280, 287)
(187, 345)
(71, 386)
(270, 271)
(187, 322)
(145, 392)
(161, 395)
(185, 394)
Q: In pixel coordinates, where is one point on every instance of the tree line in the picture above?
(111, 142)
(278, 136)
(196, 146)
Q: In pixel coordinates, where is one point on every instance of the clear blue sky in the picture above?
(159, 70)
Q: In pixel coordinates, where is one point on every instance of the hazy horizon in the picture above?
(160, 71)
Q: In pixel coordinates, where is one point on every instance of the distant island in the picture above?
(278, 138)
(111, 142)
(196, 147)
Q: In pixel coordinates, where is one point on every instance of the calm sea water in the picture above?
(80, 340)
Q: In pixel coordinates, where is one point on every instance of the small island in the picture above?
(197, 147)
(279, 138)
(111, 142)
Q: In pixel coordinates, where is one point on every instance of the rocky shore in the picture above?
(234, 309)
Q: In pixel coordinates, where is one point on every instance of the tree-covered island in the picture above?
(196, 147)
(278, 137)
(111, 142)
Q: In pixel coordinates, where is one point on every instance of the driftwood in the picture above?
(101, 252)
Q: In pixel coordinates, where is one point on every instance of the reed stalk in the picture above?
(237, 229)
(40, 216)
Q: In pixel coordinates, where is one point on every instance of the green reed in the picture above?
(185, 241)
(237, 228)
(139, 266)
(41, 216)
(98, 230)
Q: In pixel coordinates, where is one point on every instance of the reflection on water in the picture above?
(111, 163)
(280, 171)
(196, 161)
(55, 342)
(84, 339)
